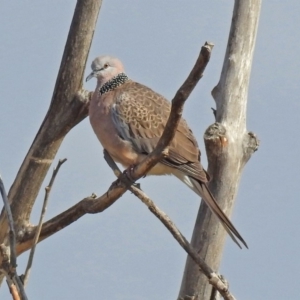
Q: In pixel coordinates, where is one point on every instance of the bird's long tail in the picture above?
(202, 190)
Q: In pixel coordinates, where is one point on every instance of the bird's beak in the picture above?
(93, 74)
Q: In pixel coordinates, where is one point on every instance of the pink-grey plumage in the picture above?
(129, 118)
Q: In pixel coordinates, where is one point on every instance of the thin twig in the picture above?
(213, 278)
(17, 281)
(9, 261)
(215, 295)
(39, 226)
(13, 290)
(12, 236)
(14, 283)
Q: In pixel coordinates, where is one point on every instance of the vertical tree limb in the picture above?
(68, 107)
(12, 234)
(228, 145)
(9, 261)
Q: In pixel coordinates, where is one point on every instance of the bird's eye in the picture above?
(106, 66)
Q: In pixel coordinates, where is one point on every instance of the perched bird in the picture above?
(129, 118)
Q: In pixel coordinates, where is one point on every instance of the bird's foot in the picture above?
(128, 174)
(128, 178)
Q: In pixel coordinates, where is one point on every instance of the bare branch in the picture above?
(12, 236)
(164, 218)
(13, 281)
(68, 107)
(39, 227)
(13, 290)
(10, 262)
(17, 281)
(89, 205)
(213, 278)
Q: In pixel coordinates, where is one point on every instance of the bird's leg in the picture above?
(128, 179)
(128, 173)
(125, 178)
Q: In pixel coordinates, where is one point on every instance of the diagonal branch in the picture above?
(89, 205)
(212, 277)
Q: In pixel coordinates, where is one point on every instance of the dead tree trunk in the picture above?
(228, 144)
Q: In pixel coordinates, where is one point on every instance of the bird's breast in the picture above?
(105, 130)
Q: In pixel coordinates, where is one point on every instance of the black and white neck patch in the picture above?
(113, 83)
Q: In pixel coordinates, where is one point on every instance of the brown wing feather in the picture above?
(141, 115)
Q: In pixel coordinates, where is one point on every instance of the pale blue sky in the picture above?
(125, 252)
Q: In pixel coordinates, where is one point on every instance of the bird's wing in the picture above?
(140, 116)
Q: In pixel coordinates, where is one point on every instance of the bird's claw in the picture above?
(128, 174)
(128, 179)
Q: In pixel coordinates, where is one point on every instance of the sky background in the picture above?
(125, 252)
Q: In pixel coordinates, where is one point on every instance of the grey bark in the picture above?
(228, 145)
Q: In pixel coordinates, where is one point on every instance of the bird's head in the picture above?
(105, 68)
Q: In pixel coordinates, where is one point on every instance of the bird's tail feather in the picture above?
(202, 190)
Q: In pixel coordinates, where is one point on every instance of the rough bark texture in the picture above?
(68, 107)
(228, 145)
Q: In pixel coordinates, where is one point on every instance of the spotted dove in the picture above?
(129, 118)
